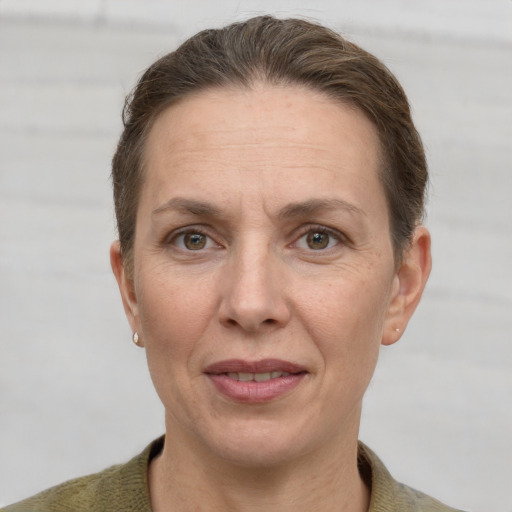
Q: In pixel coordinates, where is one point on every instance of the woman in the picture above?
(269, 188)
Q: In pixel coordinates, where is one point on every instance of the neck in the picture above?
(327, 479)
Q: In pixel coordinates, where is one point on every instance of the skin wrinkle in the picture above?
(304, 208)
(183, 205)
(236, 242)
(327, 211)
(329, 310)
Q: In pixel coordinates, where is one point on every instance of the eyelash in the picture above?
(306, 230)
(323, 230)
(189, 230)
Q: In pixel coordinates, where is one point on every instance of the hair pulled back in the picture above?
(277, 52)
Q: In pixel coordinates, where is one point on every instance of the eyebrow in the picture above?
(183, 205)
(312, 206)
(290, 211)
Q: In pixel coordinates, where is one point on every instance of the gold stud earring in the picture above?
(397, 329)
(135, 338)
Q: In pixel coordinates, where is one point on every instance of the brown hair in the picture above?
(289, 51)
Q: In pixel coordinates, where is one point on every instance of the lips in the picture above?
(257, 377)
(255, 381)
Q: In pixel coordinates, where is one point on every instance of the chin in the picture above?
(258, 444)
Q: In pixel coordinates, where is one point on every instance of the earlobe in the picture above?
(126, 287)
(409, 283)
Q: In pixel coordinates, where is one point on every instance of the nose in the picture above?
(253, 292)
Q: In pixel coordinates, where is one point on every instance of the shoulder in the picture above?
(420, 502)
(78, 494)
(120, 487)
(388, 494)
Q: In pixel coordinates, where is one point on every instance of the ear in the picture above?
(126, 287)
(409, 283)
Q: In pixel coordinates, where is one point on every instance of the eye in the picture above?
(193, 241)
(318, 239)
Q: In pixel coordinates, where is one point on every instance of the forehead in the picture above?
(266, 135)
(246, 112)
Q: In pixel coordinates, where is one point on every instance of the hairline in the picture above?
(258, 78)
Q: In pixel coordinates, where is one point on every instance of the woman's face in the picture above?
(264, 279)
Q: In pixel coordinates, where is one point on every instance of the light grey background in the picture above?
(75, 395)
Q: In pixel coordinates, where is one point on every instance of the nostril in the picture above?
(232, 322)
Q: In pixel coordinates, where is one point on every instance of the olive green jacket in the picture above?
(124, 488)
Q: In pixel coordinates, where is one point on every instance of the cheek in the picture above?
(173, 319)
(173, 315)
(346, 320)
